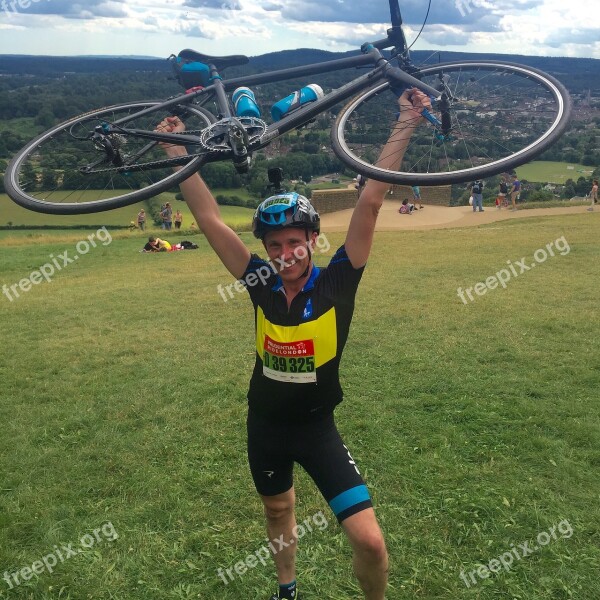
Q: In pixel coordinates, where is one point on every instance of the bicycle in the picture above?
(488, 117)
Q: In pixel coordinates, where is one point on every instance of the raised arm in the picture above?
(224, 241)
(362, 224)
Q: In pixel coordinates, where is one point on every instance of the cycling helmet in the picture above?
(284, 210)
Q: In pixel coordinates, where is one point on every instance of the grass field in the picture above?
(476, 426)
(552, 172)
(11, 212)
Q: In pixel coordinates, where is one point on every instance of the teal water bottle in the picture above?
(299, 98)
(244, 103)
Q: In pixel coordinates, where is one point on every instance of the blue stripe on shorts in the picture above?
(349, 498)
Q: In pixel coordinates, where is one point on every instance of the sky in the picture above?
(253, 27)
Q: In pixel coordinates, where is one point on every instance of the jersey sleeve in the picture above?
(258, 277)
(341, 279)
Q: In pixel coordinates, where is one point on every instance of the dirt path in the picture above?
(438, 217)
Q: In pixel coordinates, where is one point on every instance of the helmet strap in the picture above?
(309, 255)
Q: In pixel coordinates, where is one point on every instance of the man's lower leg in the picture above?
(371, 570)
(282, 543)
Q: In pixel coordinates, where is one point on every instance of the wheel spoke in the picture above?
(502, 115)
(74, 168)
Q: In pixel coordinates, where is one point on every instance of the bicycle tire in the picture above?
(44, 176)
(522, 134)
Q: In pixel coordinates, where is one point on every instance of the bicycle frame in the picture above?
(371, 55)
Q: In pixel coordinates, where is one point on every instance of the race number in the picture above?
(293, 362)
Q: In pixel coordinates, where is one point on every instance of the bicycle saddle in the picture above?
(220, 62)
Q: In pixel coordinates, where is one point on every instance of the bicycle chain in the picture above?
(159, 164)
(165, 162)
(204, 142)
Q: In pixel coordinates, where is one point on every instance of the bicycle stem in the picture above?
(398, 74)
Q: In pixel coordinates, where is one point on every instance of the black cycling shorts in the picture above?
(273, 448)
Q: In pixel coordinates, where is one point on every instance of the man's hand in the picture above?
(412, 103)
(172, 125)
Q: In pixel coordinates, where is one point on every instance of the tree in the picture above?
(49, 180)
(45, 118)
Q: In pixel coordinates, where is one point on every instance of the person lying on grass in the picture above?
(157, 245)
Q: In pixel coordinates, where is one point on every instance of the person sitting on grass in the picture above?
(406, 208)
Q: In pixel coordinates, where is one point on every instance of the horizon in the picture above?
(219, 27)
(148, 57)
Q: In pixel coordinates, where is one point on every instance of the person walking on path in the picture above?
(476, 188)
(416, 190)
(515, 192)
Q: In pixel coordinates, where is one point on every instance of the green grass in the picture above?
(552, 172)
(239, 192)
(330, 186)
(10, 212)
(476, 426)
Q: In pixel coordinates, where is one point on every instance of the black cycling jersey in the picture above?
(298, 351)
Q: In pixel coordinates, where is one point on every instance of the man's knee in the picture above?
(371, 546)
(277, 507)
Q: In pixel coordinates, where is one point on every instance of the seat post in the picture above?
(222, 100)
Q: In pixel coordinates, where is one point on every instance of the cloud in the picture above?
(215, 4)
(559, 37)
(352, 11)
(542, 27)
(341, 34)
(89, 9)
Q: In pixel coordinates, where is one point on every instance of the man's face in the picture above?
(288, 251)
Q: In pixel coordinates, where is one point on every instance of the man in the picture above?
(166, 215)
(361, 181)
(515, 192)
(476, 188)
(594, 194)
(141, 219)
(302, 317)
(178, 219)
(416, 191)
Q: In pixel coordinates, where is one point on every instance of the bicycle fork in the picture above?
(401, 80)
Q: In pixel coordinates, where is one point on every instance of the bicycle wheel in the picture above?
(63, 171)
(502, 115)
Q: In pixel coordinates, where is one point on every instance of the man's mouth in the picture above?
(288, 265)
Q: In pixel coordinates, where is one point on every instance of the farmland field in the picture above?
(11, 212)
(552, 172)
